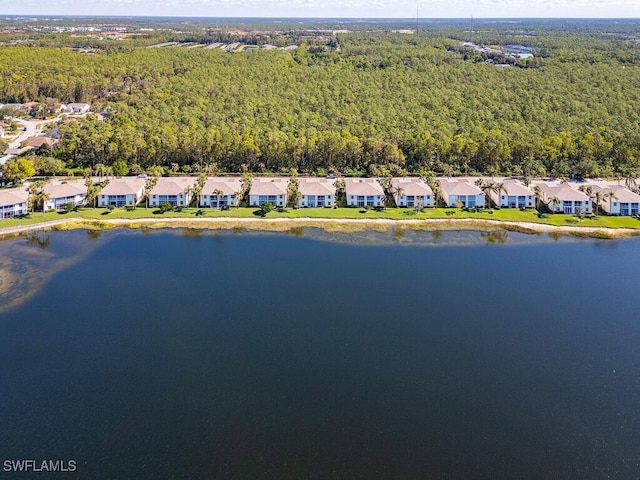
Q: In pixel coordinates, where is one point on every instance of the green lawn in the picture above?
(512, 215)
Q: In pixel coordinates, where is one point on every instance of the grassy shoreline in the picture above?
(342, 219)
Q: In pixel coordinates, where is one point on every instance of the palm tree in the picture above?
(540, 196)
(218, 194)
(630, 180)
(199, 186)
(448, 170)
(499, 188)
(397, 192)
(611, 194)
(100, 170)
(598, 196)
(487, 188)
(148, 186)
(556, 203)
(435, 188)
(38, 196)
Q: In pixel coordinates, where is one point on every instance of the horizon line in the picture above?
(83, 16)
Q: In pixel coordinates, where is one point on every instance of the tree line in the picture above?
(381, 103)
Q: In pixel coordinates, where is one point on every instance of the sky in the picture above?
(330, 8)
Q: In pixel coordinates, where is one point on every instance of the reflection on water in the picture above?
(28, 262)
(499, 236)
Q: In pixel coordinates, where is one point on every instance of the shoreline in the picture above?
(327, 224)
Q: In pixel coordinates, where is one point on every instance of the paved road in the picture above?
(29, 128)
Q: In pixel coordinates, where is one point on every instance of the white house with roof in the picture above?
(13, 202)
(514, 194)
(363, 192)
(220, 192)
(411, 192)
(618, 200)
(317, 192)
(76, 108)
(461, 190)
(174, 190)
(63, 193)
(565, 198)
(122, 192)
(268, 189)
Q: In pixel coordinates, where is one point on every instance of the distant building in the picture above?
(174, 190)
(77, 108)
(563, 198)
(36, 142)
(316, 192)
(363, 192)
(60, 194)
(12, 106)
(461, 190)
(268, 189)
(122, 192)
(13, 202)
(411, 192)
(619, 200)
(515, 195)
(221, 192)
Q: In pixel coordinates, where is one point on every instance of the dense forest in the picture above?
(361, 103)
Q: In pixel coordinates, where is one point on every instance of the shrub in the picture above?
(165, 207)
(266, 207)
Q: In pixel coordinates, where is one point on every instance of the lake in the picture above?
(178, 354)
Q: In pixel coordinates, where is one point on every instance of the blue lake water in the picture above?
(452, 355)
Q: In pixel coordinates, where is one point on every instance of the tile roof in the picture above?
(227, 185)
(317, 186)
(68, 189)
(269, 186)
(363, 186)
(459, 187)
(412, 186)
(124, 186)
(12, 196)
(172, 185)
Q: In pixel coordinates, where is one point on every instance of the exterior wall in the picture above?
(180, 200)
(621, 208)
(411, 200)
(117, 200)
(517, 201)
(316, 201)
(365, 200)
(60, 203)
(10, 211)
(570, 207)
(211, 200)
(470, 201)
(276, 200)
